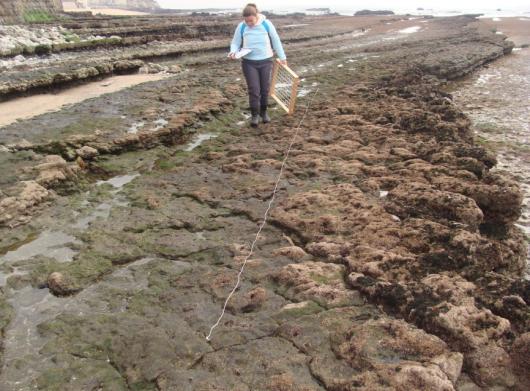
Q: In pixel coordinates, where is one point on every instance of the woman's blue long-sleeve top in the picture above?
(256, 38)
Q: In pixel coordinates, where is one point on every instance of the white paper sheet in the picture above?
(243, 52)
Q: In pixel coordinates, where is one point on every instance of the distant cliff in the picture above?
(12, 11)
(125, 4)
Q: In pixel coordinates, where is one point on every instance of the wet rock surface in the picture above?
(495, 98)
(390, 261)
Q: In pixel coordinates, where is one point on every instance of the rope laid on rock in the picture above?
(265, 216)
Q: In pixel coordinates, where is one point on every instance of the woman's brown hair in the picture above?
(250, 10)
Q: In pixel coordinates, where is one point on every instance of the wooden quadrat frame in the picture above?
(284, 86)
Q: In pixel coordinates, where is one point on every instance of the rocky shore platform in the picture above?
(391, 259)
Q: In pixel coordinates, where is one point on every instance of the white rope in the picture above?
(264, 219)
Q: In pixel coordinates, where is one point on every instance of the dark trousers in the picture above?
(258, 77)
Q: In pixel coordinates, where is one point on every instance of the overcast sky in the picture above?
(344, 4)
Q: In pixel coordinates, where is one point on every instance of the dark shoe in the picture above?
(254, 121)
(265, 117)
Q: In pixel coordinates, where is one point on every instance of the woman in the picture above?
(259, 35)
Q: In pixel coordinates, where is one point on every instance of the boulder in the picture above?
(60, 285)
(87, 153)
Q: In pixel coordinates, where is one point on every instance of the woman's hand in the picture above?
(232, 56)
(283, 62)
